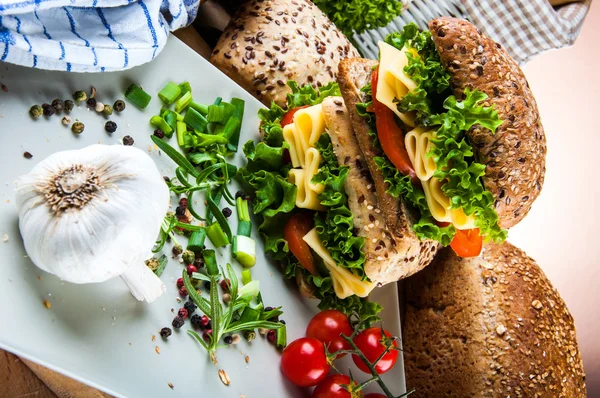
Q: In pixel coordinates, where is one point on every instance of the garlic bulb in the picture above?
(92, 214)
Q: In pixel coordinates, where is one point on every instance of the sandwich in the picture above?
(319, 213)
(491, 326)
(451, 134)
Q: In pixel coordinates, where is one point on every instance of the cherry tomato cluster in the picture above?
(305, 362)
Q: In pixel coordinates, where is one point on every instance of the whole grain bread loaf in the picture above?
(353, 74)
(269, 42)
(490, 326)
(515, 155)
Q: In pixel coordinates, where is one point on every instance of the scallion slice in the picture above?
(196, 241)
(195, 120)
(220, 113)
(203, 109)
(185, 87)
(246, 276)
(169, 93)
(181, 130)
(161, 124)
(238, 115)
(183, 102)
(137, 96)
(216, 235)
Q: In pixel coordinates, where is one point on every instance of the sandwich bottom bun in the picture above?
(490, 326)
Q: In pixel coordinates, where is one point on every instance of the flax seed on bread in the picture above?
(489, 326)
(515, 155)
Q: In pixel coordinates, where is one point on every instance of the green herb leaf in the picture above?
(175, 155)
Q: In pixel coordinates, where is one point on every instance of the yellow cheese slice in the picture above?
(305, 197)
(418, 144)
(389, 86)
(461, 221)
(310, 124)
(436, 200)
(311, 167)
(345, 283)
(296, 152)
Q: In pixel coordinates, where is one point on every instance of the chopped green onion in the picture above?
(171, 119)
(160, 123)
(220, 217)
(244, 222)
(196, 241)
(244, 250)
(218, 100)
(137, 96)
(246, 276)
(169, 93)
(204, 140)
(179, 116)
(216, 235)
(185, 87)
(281, 337)
(233, 124)
(183, 102)
(181, 130)
(195, 120)
(238, 115)
(210, 261)
(220, 113)
(249, 315)
(203, 109)
(162, 264)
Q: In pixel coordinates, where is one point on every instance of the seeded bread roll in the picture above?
(270, 42)
(515, 154)
(490, 326)
(355, 73)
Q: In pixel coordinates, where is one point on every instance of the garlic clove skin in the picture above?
(92, 214)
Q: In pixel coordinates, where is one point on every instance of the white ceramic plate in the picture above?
(99, 334)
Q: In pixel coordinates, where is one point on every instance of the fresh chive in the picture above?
(185, 87)
(232, 125)
(191, 206)
(181, 128)
(216, 235)
(281, 337)
(203, 109)
(196, 241)
(175, 156)
(182, 177)
(195, 120)
(169, 93)
(137, 96)
(234, 138)
(220, 113)
(218, 100)
(162, 263)
(246, 276)
(220, 217)
(161, 124)
(183, 102)
(205, 173)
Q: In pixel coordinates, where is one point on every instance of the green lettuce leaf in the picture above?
(335, 227)
(265, 157)
(359, 15)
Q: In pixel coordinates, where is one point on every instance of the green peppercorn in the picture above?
(177, 250)
(58, 105)
(110, 126)
(249, 335)
(119, 106)
(77, 127)
(69, 105)
(108, 110)
(79, 96)
(188, 257)
(153, 263)
(36, 111)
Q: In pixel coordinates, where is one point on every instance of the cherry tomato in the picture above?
(331, 387)
(375, 395)
(466, 242)
(327, 326)
(369, 343)
(288, 118)
(304, 362)
(294, 230)
(391, 135)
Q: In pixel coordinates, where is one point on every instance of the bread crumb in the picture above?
(171, 386)
(157, 349)
(224, 377)
(500, 330)
(247, 358)
(47, 304)
(537, 304)
(153, 338)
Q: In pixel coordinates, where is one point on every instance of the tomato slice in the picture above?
(466, 242)
(391, 135)
(288, 118)
(294, 230)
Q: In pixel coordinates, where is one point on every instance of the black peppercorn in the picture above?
(167, 179)
(228, 340)
(267, 309)
(207, 285)
(282, 321)
(159, 133)
(177, 322)
(208, 325)
(190, 307)
(239, 194)
(27, 155)
(48, 110)
(119, 106)
(69, 105)
(226, 211)
(91, 103)
(110, 126)
(180, 211)
(128, 140)
(196, 321)
(165, 332)
(58, 105)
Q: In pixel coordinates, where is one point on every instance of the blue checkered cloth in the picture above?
(88, 35)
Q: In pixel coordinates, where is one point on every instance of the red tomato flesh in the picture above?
(466, 242)
(294, 230)
(327, 327)
(369, 343)
(391, 135)
(304, 362)
(288, 118)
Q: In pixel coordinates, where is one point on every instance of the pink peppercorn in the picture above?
(182, 313)
(183, 202)
(272, 336)
(180, 283)
(206, 335)
(183, 291)
(191, 269)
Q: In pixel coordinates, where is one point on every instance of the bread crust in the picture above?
(270, 42)
(353, 74)
(515, 155)
(490, 326)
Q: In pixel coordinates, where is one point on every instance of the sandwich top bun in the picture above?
(270, 42)
(515, 155)
(489, 326)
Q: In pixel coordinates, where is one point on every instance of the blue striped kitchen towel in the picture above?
(88, 35)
